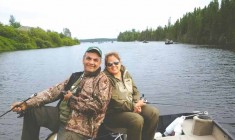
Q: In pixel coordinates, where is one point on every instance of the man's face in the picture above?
(91, 61)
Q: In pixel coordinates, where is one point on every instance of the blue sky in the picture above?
(96, 18)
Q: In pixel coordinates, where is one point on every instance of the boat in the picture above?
(182, 126)
(169, 41)
(145, 41)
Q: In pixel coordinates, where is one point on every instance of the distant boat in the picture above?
(145, 41)
(169, 41)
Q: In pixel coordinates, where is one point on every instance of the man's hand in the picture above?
(67, 95)
(19, 106)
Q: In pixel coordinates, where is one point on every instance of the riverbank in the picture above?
(12, 39)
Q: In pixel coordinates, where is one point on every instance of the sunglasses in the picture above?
(111, 64)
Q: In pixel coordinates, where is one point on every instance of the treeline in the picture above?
(214, 25)
(17, 37)
(98, 40)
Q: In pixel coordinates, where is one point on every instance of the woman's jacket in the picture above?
(124, 93)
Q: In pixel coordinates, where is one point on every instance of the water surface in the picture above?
(176, 78)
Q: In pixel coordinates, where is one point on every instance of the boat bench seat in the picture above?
(187, 127)
(187, 137)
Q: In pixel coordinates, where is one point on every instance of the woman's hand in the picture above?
(19, 106)
(137, 109)
(138, 105)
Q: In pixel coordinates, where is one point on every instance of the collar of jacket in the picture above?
(93, 74)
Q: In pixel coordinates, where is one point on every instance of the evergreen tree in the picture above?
(13, 22)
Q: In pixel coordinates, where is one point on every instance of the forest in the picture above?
(18, 37)
(212, 25)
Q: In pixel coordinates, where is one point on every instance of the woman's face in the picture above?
(113, 65)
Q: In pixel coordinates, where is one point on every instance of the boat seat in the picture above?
(187, 127)
(186, 137)
(118, 133)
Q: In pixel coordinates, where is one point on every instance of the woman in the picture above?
(126, 109)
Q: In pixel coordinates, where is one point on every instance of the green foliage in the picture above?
(214, 24)
(7, 31)
(39, 33)
(40, 43)
(55, 39)
(68, 42)
(22, 37)
(12, 38)
(6, 44)
(23, 46)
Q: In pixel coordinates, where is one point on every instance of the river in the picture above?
(176, 78)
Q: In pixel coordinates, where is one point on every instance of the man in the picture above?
(83, 102)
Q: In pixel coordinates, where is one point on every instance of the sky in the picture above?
(96, 18)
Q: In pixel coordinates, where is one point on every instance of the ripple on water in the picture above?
(177, 78)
